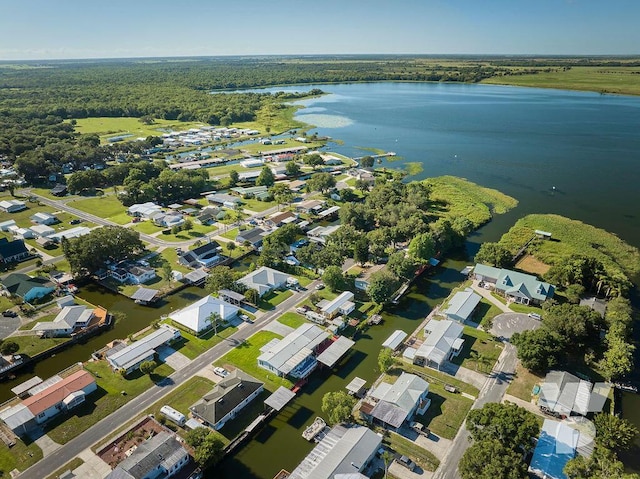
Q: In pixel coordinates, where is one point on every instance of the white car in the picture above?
(535, 316)
(222, 372)
(246, 318)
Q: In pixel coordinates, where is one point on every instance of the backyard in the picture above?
(480, 350)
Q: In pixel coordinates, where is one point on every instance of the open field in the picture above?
(485, 312)
(532, 265)
(292, 319)
(602, 79)
(193, 346)
(107, 127)
(425, 459)
(107, 207)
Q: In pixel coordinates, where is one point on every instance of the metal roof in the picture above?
(293, 348)
(144, 294)
(280, 398)
(25, 386)
(331, 355)
(129, 356)
(441, 340)
(356, 384)
(462, 304)
(395, 339)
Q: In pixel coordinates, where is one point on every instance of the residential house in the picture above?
(362, 281)
(342, 304)
(330, 213)
(12, 206)
(128, 358)
(258, 192)
(462, 305)
(167, 220)
(397, 403)
(345, 451)
(518, 287)
(281, 218)
(362, 175)
(161, 456)
(310, 206)
(5, 225)
(210, 215)
(295, 354)
(264, 280)
(297, 185)
(76, 232)
(59, 190)
(562, 394)
(196, 316)
(21, 233)
(249, 176)
(51, 398)
(43, 219)
(28, 288)
(227, 399)
(556, 445)
(68, 320)
(12, 251)
(42, 231)
(443, 342)
(206, 255)
(144, 210)
(136, 274)
(253, 236)
(229, 201)
(320, 234)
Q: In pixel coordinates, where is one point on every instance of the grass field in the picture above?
(485, 312)
(106, 127)
(293, 320)
(69, 466)
(523, 383)
(257, 205)
(105, 400)
(480, 350)
(107, 207)
(32, 345)
(458, 197)
(531, 264)
(601, 79)
(193, 346)
(245, 357)
(21, 456)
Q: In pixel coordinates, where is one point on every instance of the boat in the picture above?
(316, 427)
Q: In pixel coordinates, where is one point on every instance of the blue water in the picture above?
(522, 141)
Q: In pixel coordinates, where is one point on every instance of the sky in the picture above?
(63, 29)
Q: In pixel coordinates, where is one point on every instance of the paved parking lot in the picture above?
(506, 324)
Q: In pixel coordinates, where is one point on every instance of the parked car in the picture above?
(406, 462)
(320, 286)
(246, 318)
(9, 314)
(535, 316)
(76, 221)
(222, 372)
(420, 429)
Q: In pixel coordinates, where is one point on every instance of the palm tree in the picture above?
(214, 319)
(387, 457)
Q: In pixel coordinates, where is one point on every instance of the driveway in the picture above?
(506, 324)
(8, 326)
(173, 358)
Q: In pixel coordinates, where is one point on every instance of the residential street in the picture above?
(492, 391)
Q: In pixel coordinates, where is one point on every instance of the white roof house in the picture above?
(71, 233)
(294, 354)
(444, 341)
(43, 218)
(344, 450)
(394, 341)
(130, 357)
(11, 206)
(264, 279)
(462, 305)
(563, 393)
(4, 226)
(23, 233)
(69, 318)
(144, 210)
(196, 315)
(319, 234)
(42, 230)
(342, 304)
(398, 402)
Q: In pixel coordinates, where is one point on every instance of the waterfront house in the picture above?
(342, 304)
(556, 445)
(47, 400)
(26, 287)
(462, 305)
(253, 237)
(206, 255)
(345, 451)
(12, 206)
(43, 219)
(394, 341)
(12, 251)
(227, 399)
(362, 281)
(562, 394)
(442, 343)
(397, 403)
(196, 316)
(161, 456)
(265, 280)
(128, 358)
(135, 274)
(517, 287)
(68, 320)
(293, 355)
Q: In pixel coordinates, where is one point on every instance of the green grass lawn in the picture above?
(198, 231)
(147, 227)
(231, 234)
(293, 320)
(270, 300)
(225, 169)
(446, 413)
(436, 377)
(423, 458)
(107, 207)
(257, 205)
(69, 466)
(193, 346)
(485, 312)
(171, 256)
(105, 400)
(523, 383)
(21, 456)
(5, 303)
(478, 345)
(107, 127)
(32, 345)
(245, 357)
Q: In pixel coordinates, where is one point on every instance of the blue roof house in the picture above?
(556, 446)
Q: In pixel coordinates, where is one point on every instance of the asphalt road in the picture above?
(507, 324)
(492, 391)
(137, 405)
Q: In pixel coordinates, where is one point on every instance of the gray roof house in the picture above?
(462, 305)
(518, 287)
(344, 450)
(399, 402)
(443, 342)
(264, 280)
(253, 236)
(227, 398)
(67, 320)
(564, 394)
(161, 456)
(293, 355)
